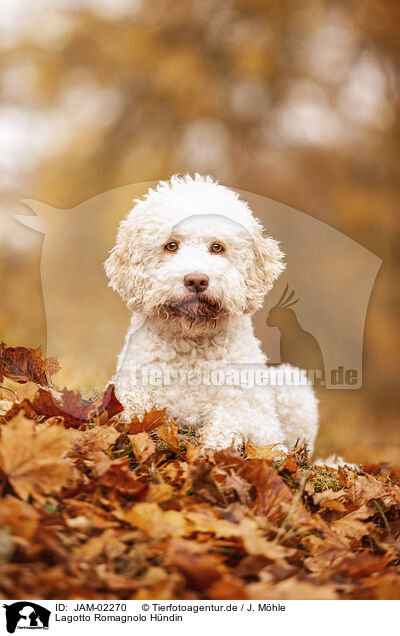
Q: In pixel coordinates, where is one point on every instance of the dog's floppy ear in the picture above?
(264, 268)
(124, 266)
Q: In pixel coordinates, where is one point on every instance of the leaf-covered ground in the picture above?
(93, 508)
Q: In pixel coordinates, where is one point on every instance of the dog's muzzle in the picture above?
(195, 306)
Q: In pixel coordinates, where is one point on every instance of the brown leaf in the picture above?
(109, 402)
(5, 406)
(159, 492)
(85, 516)
(192, 453)
(327, 497)
(384, 587)
(325, 557)
(333, 505)
(95, 546)
(240, 486)
(292, 588)
(151, 420)
(271, 490)
(24, 406)
(204, 484)
(227, 588)
(168, 432)
(351, 527)
(18, 516)
(268, 453)
(93, 440)
(206, 521)
(289, 464)
(92, 448)
(33, 458)
(119, 478)
(156, 522)
(22, 364)
(360, 565)
(256, 544)
(69, 405)
(199, 568)
(142, 445)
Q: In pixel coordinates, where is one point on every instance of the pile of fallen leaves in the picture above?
(94, 508)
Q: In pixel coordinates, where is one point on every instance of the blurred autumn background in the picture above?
(294, 101)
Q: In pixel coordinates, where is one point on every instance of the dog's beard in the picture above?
(194, 309)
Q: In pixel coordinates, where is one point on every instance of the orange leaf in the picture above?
(33, 458)
(155, 521)
(142, 445)
(168, 432)
(22, 364)
(151, 420)
(18, 516)
(269, 453)
(71, 406)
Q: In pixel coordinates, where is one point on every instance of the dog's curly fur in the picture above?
(175, 329)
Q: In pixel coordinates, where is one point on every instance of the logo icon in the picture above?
(298, 347)
(26, 615)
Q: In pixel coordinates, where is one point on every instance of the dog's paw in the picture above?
(212, 440)
(281, 448)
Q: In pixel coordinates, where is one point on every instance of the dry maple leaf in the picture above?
(22, 364)
(116, 479)
(77, 409)
(289, 464)
(109, 402)
(190, 559)
(95, 440)
(94, 546)
(33, 458)
(226, 589)
(85, 516)
(92, 448)
(19, 517)
(203, 483)
(159, 492)
(240, 486)
(365, 488)
(151, 420)
(269, 453)
(292, 588)
(142, 445)
(156, 522)
(353, 526)
(69, 405)
(360, 565)
(271, 490)
(205, 521)
(325, 557)
(256, 544)
(168, 432)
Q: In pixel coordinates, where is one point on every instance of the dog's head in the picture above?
(191, 252)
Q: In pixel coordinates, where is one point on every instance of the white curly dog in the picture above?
(192, 265)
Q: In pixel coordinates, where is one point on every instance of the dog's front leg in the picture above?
(238, 415)
(135, 398)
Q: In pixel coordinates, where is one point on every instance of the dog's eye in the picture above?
(172, 246)
(217, 248)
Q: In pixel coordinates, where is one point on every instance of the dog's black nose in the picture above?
(196, 282)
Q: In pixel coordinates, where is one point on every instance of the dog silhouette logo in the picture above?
(26, 615)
